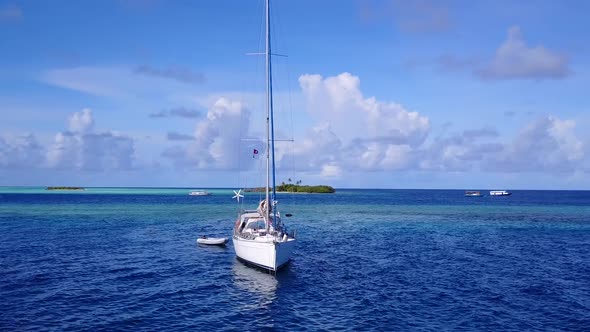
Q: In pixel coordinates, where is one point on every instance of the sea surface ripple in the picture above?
(429, 260)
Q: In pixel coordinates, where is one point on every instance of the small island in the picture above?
(64, 188)
(298, 188)
(295, 188)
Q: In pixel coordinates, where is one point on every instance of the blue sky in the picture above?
(379, 94)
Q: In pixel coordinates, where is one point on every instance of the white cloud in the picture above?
(362, 132)
(515, 60)
(457, 152)
(217, 143)
(320, 147)
(331, 171)
(63, 152)
(349, 132)
(398, 157)
(549, 144)
(339, 101)
(81, 122)
(371, 135)
(82, 148)
(79, 147)
(22, 151)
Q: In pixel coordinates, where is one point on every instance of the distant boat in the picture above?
(499, 193)
(471, 193)
(199, 193)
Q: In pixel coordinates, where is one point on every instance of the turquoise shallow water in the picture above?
(126, 259)
(109, 191)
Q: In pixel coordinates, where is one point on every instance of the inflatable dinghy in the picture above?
(218, 241)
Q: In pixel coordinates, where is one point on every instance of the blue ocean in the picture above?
(372, 260)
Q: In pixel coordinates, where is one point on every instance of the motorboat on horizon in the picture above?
(199, 193)
(500, 193)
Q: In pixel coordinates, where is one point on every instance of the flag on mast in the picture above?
(254, 153)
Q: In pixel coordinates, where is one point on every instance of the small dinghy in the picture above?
(216, 241)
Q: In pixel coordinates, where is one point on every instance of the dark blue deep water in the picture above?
(366, 260)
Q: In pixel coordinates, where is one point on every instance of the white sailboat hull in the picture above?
(265, 254)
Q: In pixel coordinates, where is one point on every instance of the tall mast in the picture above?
(270, 134)
(268, 112)
(272, 122)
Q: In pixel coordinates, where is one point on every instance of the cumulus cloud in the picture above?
(80, 147)
(180, 74)
(216, 141)
(371, 155)
(329, 171)
(81, 122)
(549, 144)
(516, 60)
(339, 101)
(358, 132)
(22, 151)
(319, 148)
(459, 151)
(352, 132)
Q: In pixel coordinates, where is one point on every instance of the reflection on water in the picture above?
(259, 285)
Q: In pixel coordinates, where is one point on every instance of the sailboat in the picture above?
(259, 236)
